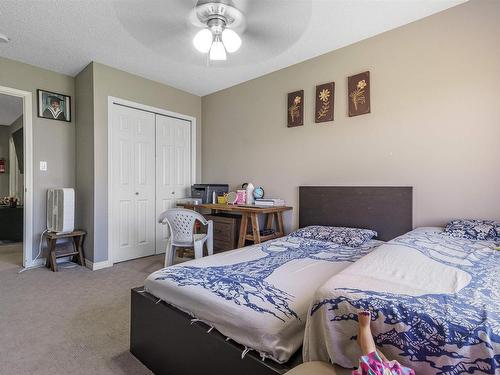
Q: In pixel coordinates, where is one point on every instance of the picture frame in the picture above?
(53, 106)
(358, 95)
(325, 99)
(295, 109)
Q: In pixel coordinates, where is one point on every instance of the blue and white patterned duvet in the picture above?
(258, 295)
(435, 302)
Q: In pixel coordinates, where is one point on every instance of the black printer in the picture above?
(205, 192)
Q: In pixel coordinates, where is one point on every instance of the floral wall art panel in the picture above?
(324, 102)
(295, 108)
(359, 94)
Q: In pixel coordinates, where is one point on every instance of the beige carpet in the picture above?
(11, 256)
(75, 321)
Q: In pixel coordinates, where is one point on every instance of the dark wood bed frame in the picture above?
(163, 338)
(385, 209)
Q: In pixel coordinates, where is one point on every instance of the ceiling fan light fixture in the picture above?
(203, 39)
(231, 40)
(217, 52)
(219, 19)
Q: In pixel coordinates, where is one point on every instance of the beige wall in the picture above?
(107, 82)
(86, 168)
(53, 141)
(84, 94)
(435, 121)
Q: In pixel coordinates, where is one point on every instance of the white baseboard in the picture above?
(89, 264)
(98, 265)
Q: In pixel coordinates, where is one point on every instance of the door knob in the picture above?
(136, 193)
(173, 192)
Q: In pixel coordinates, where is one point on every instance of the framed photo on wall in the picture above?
(54, 106)
(295, 109)
(359, 94)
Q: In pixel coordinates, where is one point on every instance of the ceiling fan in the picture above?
(184, 30)
(218, 19)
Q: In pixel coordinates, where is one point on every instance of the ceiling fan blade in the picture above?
(266, 33)
(278, 13)
(155, 21)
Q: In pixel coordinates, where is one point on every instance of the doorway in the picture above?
(16, 198)
(152, 164)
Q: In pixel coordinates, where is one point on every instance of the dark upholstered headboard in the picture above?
(385, 209)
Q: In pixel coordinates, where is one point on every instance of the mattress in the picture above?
(259, 295)
(435, 303)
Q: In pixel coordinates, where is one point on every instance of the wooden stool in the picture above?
(77, 235)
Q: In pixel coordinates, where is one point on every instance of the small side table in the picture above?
(77, 236)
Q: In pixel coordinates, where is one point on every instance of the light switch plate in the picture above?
(43, 166)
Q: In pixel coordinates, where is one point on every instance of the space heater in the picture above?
(61, 210)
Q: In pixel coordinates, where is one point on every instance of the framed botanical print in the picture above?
(324, 102)
(54, 106)
(359, 94)
(295, 108)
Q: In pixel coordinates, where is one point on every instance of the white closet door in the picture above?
(173, 168)
(133, 193)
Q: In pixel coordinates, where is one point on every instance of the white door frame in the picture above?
(26, 96)
(127, 103)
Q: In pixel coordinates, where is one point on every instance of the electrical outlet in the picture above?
(43, 166)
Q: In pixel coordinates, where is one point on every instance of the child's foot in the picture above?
(365, 339)
(364, 319)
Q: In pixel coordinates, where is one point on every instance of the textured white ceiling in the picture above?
(11, 107)
(152, 38)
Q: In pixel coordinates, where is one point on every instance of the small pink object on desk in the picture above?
(241, 196)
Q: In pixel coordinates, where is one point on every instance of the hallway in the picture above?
(11, 255)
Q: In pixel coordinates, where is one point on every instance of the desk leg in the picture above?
(243, 229)
(269, 221)
(279, 219)
(255, 228)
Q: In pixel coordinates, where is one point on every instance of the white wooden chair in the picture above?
(181, 225)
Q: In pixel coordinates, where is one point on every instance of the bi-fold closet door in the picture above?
(151, 168)
(173, 169)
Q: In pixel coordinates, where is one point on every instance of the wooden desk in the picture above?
(273, 215)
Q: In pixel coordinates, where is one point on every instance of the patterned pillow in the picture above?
(487, 230)
(352, 237)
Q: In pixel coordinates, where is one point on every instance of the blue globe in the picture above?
(258, 193)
